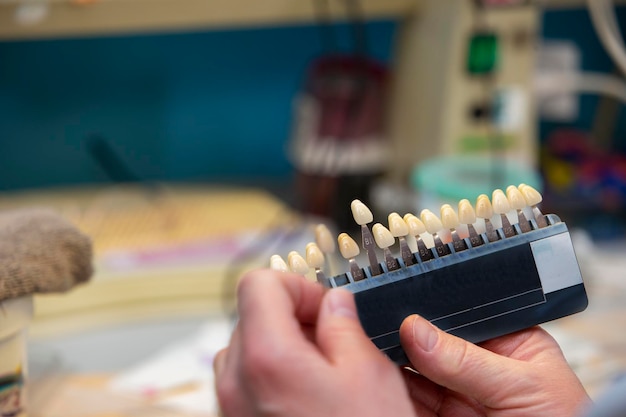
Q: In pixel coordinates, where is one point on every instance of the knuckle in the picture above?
(263, 364)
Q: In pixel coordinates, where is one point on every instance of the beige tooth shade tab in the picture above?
(397, 225)
(382, 236)
(314, 256)
(362, 215)
(431, 221)
(516, 199)
(531, 195)
(499, 202)
(324, 239)
(416, 227)
(449, 218)
(347, 246)
(484, 209)
(297, 263)
(277, 263)
(467, 215)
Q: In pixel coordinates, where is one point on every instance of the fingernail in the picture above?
(341, 303)
(424, 333)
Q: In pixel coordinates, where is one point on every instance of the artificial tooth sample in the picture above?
(315, 260)
(362, 216)
(501, 206)
(399, 229)
(467, 216)
(533, 198)
(434, 226)
(384, 239)
(450, 221)
(297, 263)
(416, 229)
(278, 264)
(518, 202)
(350, 250)
(484, 210)
(326, 243)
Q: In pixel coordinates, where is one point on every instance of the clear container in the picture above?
(15, 316)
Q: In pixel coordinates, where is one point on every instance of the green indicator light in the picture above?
(482, 56)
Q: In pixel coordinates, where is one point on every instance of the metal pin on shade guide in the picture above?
(467, 216)
(434, 226)
(518, 202)
(450, 220)
(416, 228)
(399, 229)
(533, 198)
(363, 216)
(384, 239)
(501, 206)
(349, 249)
(484, 210)
(315, 260)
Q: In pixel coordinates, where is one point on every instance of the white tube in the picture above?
(605, 24)
(547, 85)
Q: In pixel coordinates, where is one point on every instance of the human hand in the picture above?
(521, 374)
(299, 350)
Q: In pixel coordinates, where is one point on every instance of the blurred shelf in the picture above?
(67, 18)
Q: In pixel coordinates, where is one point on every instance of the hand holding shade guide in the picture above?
(499, 277)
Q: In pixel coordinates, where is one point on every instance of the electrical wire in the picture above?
(548, 86)
(605, 24)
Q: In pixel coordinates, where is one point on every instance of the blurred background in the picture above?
(191, 139)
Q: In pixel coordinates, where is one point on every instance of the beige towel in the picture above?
(41, 252)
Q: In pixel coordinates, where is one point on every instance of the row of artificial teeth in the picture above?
(423, 233)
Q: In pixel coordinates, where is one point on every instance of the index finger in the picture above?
(273, 307)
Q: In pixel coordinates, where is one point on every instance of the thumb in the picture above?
(339, 335)
(457, 364)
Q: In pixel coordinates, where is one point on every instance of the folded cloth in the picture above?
(41, 252)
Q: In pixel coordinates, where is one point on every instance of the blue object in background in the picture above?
(191, 106)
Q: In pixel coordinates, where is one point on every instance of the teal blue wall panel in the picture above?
(189, 106)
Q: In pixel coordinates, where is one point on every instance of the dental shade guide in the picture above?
(477, 285)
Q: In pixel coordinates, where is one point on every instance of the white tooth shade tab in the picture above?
(516, 199)
(467, 215)
(449, 218)
(324, 239)
(297, 263)
(278, 264)
(416, 227)
(397, 225)
(532, 196)
(484, 209)
(314, 256)
(499, 202)
(431, 221)
(347, 246)
(382, 236)
(362, 215)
